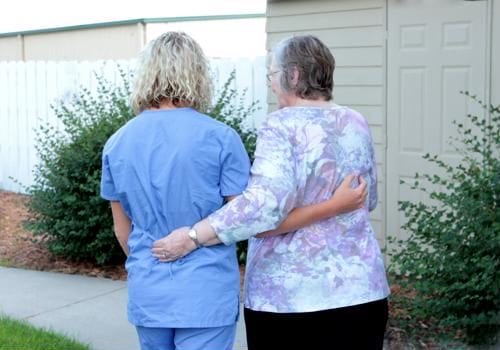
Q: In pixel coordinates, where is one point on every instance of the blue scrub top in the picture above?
(171, 168)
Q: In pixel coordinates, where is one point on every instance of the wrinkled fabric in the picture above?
(171, 168)
(302, 156)
(216, 338)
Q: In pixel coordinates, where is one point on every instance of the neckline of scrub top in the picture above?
(167, 110)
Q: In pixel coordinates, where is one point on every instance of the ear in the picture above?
(294, 77)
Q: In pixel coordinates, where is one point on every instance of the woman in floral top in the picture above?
(329, 274)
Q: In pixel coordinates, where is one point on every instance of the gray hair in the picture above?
(172, 68)
(314, 62)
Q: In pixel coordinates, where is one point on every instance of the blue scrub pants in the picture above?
(214, 338)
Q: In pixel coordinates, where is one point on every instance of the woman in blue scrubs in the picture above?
(169, 167)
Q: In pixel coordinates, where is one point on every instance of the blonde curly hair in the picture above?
(172, 68)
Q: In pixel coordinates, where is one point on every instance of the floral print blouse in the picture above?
(302, 156)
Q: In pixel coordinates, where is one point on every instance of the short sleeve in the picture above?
(108, 190)
(235, 165)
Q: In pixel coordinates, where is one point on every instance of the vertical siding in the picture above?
(355, 33)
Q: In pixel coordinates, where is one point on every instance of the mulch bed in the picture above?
(19, 248)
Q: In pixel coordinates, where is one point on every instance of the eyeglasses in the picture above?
(270, 74)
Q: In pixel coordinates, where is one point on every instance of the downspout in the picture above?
(489, 53)
(142, 34)
(384, 126)
(22, 46)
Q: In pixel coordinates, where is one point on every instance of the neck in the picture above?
(299, 102)
(167, 104)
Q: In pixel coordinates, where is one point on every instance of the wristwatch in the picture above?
(193, 234)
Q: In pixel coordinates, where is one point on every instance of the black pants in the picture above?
(348, 328)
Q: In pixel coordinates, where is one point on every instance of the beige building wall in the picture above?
(355, 33)
(120, 42)
(11, 48)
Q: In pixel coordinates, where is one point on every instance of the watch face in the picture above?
(192, 234)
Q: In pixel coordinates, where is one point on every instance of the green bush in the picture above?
(451, 259)
(65, 205)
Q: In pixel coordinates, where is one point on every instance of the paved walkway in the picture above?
(92, 310)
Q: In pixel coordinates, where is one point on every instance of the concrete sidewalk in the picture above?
(92, 310)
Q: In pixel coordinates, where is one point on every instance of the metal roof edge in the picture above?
(132, 21)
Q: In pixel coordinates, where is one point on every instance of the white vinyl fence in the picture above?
(28, 89)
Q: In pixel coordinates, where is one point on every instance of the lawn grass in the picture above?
(19, 335)
(5, 262)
